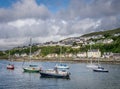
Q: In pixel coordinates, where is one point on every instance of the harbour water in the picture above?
(80, 78)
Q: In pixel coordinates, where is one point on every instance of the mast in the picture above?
(60, 53)
(30, 49)
(9, 56)
(91, 53)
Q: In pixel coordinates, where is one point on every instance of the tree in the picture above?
(74, 44)
(106, 35)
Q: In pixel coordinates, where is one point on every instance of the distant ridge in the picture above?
(113, 31)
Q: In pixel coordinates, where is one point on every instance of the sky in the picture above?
(53, 20)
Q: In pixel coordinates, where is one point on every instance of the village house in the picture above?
(94, 53)
(82, 54)
(107, 55)
(16, 55)
(24, 55)
(75, 47)
(53, 55)
(68, 55)
(107, 41)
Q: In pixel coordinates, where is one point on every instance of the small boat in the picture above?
(10, 66)
(92, 66)
(100, 69)
(54, 73)
(62, 66)
(32, 69)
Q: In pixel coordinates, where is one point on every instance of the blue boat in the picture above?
(62, 66)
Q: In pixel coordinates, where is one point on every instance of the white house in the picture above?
(23, 55)
(107, 54)
(94, 53)
(52, 55)
(69, 55)
(82, 54)
(107, 41)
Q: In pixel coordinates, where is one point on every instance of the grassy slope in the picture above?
(114, 31)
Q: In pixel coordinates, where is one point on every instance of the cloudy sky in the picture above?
(53, 20)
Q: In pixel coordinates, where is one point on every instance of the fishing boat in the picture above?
(55, 73)
(61, 65)
(10, 65)
(32, 68)
(100, 69)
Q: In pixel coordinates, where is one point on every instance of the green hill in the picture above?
(114, 31)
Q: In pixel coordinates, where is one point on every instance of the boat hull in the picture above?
(96, 70)
(10, 67)
(31, 71)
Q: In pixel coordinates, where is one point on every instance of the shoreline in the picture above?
(71, 60)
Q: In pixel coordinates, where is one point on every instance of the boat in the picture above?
(32, 68)
(55, 73)
(10, 65)
(100, 69)
(92, 66)
(61, 65)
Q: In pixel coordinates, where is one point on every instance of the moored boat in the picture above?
(54, 73)
(100, 69)
(62, 66)
(32, 69)
(92, 66)
(10, 66)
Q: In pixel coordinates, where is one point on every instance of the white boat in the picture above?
(54, 73)
(100, 69)
(31, 68)
(61, 65)
(92, 66)
(10, 65)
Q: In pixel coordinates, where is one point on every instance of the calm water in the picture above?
(81, 77)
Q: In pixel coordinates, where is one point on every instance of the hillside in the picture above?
(113, 31)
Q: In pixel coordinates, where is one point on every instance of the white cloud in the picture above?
(27, 19)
